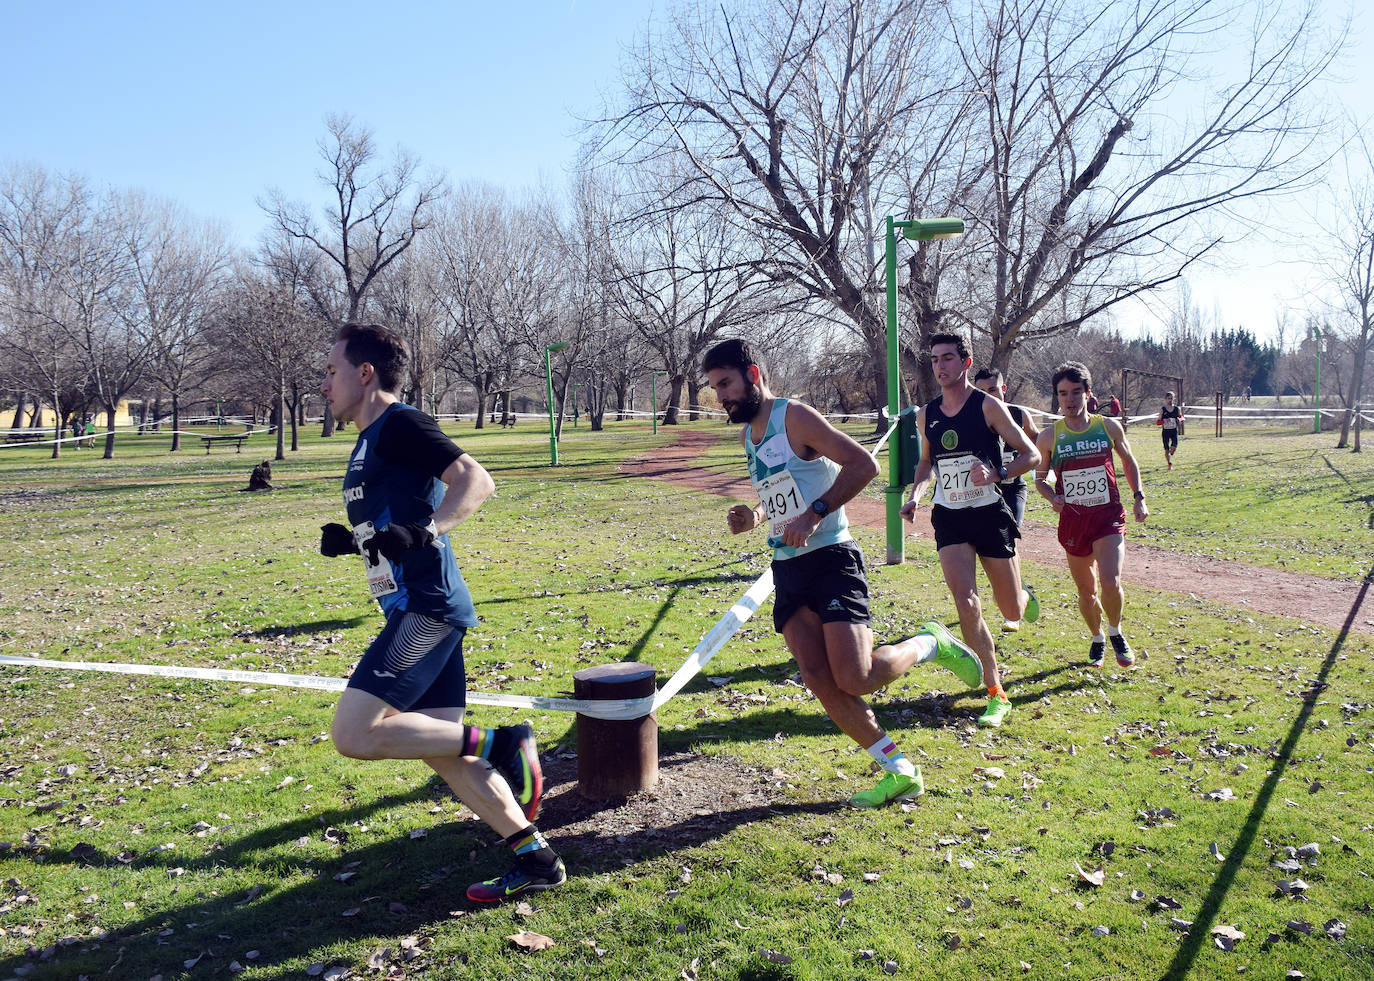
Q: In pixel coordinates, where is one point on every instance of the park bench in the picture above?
(26, 435)
(236, 438)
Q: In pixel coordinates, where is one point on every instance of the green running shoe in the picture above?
(1032, 604)
(1124, 655)
(997, 710)
(524, 877)
(890, 787)
(953, 655)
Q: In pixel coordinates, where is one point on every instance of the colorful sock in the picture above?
(481, 742)
(530, 846)
(890, 758)
(1113, 630)
(995, 691)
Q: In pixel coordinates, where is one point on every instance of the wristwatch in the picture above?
(1002, 472)
(1140, 495)
(433, 529)
(820, 507)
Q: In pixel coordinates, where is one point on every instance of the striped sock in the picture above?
(889, 757)
(478, 742)
(530, 845)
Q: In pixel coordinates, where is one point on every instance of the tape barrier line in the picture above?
(623, 708)
(716, 638)
(613, 709)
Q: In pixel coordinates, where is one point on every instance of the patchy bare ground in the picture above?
(1331, 603)
(697, 798)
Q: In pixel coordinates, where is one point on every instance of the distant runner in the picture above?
(1092, 520)
(1171, 418)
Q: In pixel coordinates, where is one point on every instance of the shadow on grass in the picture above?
(395, 888)
(1200, 932)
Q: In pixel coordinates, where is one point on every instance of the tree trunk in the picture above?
(674, 397)
(279, 411)
(693, 397)
(57, 421)
(110, 411)
(176, 422)
(328, 428)
(19, 399)
(482, 383)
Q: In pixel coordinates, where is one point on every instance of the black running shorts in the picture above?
(1015, 496)
(990, 529)
(415, 663)
(831, 581)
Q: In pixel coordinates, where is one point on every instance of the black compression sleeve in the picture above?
(414, 439)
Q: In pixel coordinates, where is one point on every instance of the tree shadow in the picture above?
(393, 888)
(1200, 931)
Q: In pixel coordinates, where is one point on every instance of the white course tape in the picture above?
(622, 708)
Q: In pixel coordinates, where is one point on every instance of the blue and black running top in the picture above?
(393, 475)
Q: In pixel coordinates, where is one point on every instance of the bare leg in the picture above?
(959, 564)
(1110, 555)
(1082, 568)
(858, 668)
(367, 728)
(806, 639)
(1004, 575)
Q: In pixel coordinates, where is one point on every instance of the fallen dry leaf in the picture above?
(1093, 878)
(530, 940)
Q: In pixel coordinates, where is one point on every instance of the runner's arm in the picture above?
(468, 485)
(1129, 468)
(743, 517)
(809, 429)
(923, 470)
(1045, 444)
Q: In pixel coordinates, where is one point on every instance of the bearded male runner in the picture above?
(804, 471)
(407, 486)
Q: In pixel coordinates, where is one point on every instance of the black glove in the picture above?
(395, 538)
(337, 539)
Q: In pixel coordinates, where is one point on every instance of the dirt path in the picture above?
(1327, 602)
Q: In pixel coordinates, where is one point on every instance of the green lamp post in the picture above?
(548, 389)
(918, 230)
(653, 397)
(1317, 383)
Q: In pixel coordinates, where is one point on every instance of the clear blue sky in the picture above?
(211, 106)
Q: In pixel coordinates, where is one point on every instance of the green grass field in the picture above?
(193, 830)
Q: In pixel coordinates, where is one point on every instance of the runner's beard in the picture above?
(748, 407)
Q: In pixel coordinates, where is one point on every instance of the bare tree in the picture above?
(1093, 192)
(794, 119)
(374, 215)
(1354, 278)
(177, 267)
(268, 316)
(39, 216)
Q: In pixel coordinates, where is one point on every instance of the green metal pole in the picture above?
(896, 534)
(548, 394)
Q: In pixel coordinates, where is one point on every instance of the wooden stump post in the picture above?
(616, 758)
